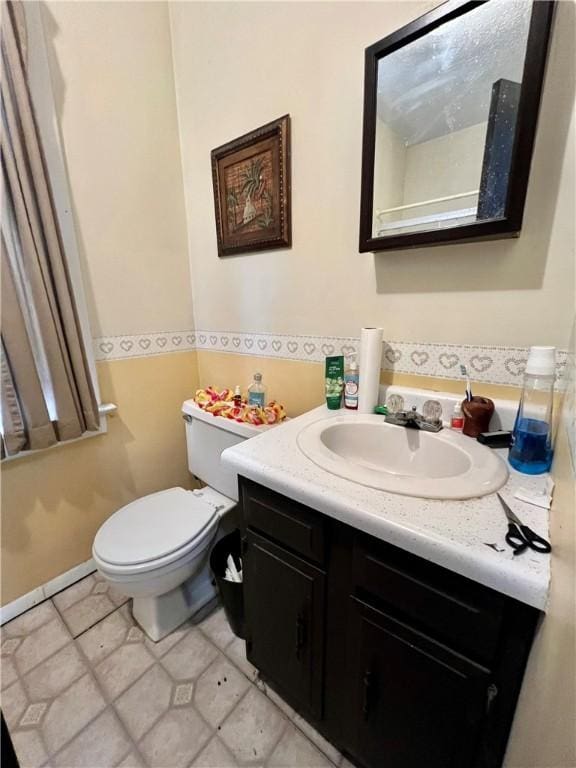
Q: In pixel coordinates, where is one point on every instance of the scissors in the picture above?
(519, 536)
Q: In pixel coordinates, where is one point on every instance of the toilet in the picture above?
(156, 549)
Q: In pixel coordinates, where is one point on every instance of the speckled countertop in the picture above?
(453, 534)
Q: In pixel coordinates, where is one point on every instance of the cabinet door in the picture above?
(284, 603)
(414, 702)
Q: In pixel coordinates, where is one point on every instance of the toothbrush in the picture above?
(464, 372)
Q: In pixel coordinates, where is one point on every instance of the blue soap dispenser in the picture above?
(531, 449)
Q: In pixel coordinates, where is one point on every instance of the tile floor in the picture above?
(83, 687)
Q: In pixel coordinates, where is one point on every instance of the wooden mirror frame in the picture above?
(531, 89)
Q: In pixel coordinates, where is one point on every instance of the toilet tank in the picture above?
(206, 437)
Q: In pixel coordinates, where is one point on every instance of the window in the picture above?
(49, 384)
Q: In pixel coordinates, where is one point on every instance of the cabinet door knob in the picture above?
(300, 634)
(367, 683)
(491, 693)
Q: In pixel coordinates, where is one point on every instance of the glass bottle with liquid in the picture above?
(257, 392)
(531, 450)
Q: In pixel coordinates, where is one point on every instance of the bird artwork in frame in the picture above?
(251, 177)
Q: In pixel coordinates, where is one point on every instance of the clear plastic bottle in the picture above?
(351, 386)
(457, 420)
(531, 450)
(257, 392)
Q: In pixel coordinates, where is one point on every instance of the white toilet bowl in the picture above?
(156, 550)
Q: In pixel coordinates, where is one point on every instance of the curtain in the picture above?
(47, 391)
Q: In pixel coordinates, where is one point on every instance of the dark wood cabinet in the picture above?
(397, 661)
(414, 702)
(284, 602)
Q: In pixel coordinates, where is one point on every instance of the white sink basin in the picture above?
(368, 451)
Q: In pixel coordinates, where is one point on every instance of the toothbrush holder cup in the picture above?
(477, 414)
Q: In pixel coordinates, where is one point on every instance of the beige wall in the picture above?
(237, 75)
(54, 502)
(390, 159)
(111, 67)
(415, 173)
(446, 165)
(299, 385)
(510, 292)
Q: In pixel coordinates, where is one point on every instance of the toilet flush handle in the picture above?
(187, 418)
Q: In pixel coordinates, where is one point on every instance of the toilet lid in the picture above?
(153, 527)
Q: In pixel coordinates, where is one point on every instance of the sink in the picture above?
(368, 451)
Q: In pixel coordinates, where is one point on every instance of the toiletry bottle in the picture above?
(237, 396)
(531, 449)
(457, 420)
(257, 392)
(334, 381)
(351, 386)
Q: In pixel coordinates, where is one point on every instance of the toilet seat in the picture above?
(154, 531)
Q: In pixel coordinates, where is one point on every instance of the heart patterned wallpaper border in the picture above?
(144, 344)
(487, 364)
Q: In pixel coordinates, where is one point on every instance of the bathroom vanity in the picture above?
(397, 661)
(403, 644)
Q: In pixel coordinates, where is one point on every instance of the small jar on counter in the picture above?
(457, 420)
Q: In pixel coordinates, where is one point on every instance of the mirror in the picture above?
(451, 103)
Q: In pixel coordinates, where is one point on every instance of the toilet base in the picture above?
(158, 616)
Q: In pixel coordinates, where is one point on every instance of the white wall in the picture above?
(239, 65)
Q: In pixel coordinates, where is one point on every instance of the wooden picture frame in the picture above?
(251, 178)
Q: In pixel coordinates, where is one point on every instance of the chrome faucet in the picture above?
(414, 420)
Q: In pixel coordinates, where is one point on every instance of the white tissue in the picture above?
(540, 494)
(232, 573)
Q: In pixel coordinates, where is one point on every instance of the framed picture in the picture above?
(251, 177)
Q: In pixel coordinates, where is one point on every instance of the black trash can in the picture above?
(231, 593)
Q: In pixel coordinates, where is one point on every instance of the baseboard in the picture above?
(38, 595)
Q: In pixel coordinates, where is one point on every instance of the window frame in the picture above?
(42, 95)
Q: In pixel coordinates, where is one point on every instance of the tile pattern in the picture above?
(107, 696)
(486, 364)
(88, 601)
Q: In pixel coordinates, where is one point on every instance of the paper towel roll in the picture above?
(370, 363)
